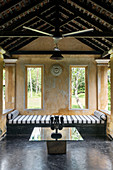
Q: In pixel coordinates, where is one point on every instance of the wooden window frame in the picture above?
(86, 86)
(42, 85)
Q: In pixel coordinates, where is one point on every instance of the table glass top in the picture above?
(44, 134)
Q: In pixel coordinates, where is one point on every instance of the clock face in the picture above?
(56, 70)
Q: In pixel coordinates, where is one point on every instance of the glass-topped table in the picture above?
(44, 134)
(55, 146)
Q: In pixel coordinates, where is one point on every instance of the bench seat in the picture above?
(44, 121)
(87, 125)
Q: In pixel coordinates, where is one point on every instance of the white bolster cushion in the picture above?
(13, 114)
(100, 115)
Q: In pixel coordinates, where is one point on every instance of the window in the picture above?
(34, 87)
(78, 88)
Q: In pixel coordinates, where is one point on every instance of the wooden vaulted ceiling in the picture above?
(41, 14)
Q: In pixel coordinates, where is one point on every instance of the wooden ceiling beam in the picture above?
(78, 20)
(19, 23)
(5, 41)
(22, 42)
(85, 6)
(96, 44)
(93, 41)
(45, 19)
(69, 19)
(10, 42)
(84, 41)
(51, 52)
(9, 5)
(26, 20)
(20, 12)
(105, 54)
(102, 5)
(84, 16)
(68, 28)
(99, 40)
(26, 33)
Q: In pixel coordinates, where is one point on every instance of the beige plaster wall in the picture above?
(68, 43)
(56, 89)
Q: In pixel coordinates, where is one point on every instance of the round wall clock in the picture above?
(56, 70)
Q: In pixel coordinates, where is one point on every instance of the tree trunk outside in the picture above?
(37, 81)
(76, 92)
(30, 81)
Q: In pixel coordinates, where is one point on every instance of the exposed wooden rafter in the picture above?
(16, 14)
(66, 16)
(88, 8)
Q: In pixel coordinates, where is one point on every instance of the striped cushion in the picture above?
(100, 115)
(13, 114)
(45, 119)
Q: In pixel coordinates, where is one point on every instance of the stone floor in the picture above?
(90, 154)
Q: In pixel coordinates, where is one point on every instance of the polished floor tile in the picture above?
(90, 154)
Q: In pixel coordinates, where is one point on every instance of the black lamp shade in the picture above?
(56, 56)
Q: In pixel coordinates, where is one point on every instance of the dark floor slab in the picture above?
(90, 154)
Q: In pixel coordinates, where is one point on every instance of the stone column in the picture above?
(110, 127)
(102, 87)
(1, 79)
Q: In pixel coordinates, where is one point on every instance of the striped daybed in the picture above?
(87, 125)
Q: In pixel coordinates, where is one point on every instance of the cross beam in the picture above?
(51, 52)
(29, 34)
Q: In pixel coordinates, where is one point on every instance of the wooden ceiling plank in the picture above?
(25, 21)
(96, 45)
(2, 41)
(20, 12)
(90, 44)
(9, 5)
(75, 25)
(104, 6)
(48, 21)
(86, 18)
(69, 19)
(93, 12)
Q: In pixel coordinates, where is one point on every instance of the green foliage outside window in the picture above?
(34, 88)
(78, 87)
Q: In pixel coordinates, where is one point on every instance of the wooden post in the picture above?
(110, 126)
(1, 79)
